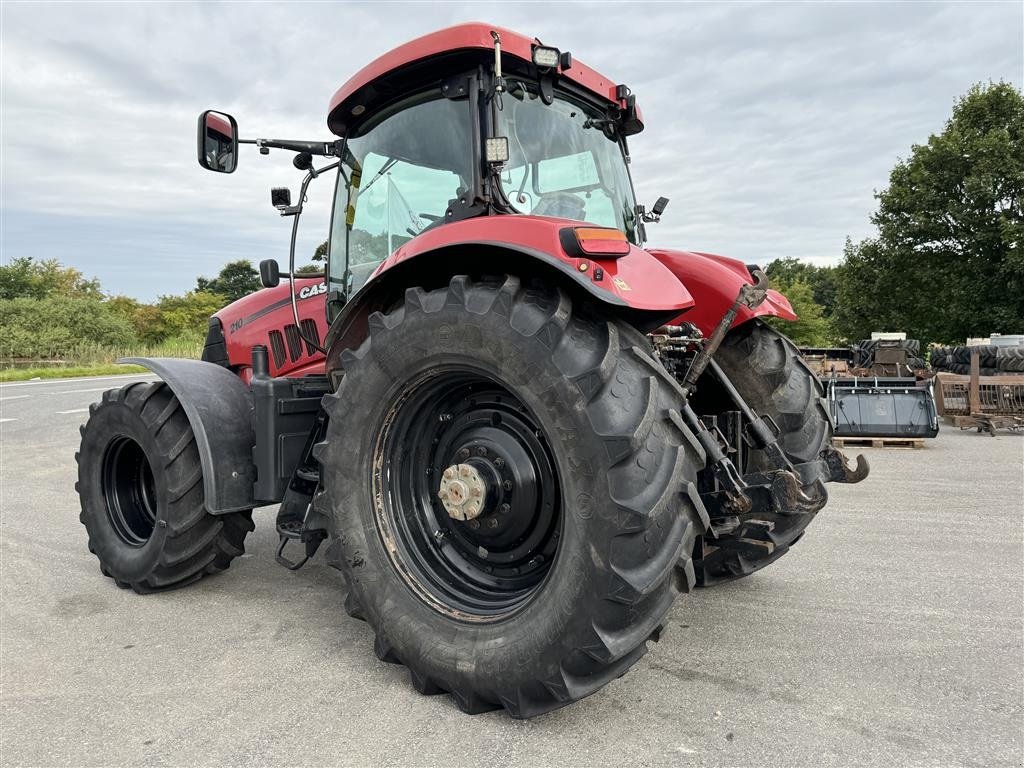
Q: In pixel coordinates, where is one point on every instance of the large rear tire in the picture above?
(771, 376)
(140, 483)
(556, 587)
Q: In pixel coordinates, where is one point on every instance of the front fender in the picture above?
(219, 409)
(714, 282)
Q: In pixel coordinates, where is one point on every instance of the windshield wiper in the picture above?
(383, 169)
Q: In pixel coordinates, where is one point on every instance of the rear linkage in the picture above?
(788, 489)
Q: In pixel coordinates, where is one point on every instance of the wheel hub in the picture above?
(462, 492)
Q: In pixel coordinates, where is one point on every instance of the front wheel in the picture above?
(140, 483)
(509, 483)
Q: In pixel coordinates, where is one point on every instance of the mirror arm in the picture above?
(321, 148)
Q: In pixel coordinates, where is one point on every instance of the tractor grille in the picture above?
(277, 348)
(291, 333)
(311, 333)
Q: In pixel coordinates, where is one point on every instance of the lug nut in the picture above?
(499, 462)
(504, 509)
(492, 523)
(482, 451)
(507, 485)
(464, 453)
(474, 524)
(449, 473)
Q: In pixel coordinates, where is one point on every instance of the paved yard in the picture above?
(892, 635)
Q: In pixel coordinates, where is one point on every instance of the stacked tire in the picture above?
(993, 360)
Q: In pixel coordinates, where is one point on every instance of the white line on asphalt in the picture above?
(84, 379)
(73, 391)
(3, 420)
(76, 410)
(14, 397)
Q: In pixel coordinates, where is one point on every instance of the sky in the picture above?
(769, 126)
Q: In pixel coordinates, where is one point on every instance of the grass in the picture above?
(66, 372)
(96, 360)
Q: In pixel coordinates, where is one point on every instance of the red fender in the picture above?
(634, 279)
(714, 282)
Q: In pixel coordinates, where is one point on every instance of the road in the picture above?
(892, 634)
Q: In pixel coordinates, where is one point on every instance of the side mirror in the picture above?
(659, 206)
(217, 142)
(270, 273)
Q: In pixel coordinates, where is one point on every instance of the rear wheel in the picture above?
(767, 370)
(140, 483)
(509, 484)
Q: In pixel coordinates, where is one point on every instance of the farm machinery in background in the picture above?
(517, 432)
(877, 387)
(882, 387)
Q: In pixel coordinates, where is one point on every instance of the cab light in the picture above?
(545, 57)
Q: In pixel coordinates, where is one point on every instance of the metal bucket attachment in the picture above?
(882, 407)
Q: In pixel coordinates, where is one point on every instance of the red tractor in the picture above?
(518, 432)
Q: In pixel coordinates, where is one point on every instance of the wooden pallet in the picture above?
(878, 442)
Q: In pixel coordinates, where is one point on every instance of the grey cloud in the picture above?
(769, 125)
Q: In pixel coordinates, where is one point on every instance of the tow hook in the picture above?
(839, 469)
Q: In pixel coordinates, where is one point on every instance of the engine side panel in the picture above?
(265, 317)
(714, 282)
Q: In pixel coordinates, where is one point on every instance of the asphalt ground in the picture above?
(893, 634)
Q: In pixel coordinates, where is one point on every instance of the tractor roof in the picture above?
(432, 57)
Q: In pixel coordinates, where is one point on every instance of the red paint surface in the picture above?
(637, 278)
(241, 340)
(714, 282)
(460, 37)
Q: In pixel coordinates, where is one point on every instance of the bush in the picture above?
(54, 327)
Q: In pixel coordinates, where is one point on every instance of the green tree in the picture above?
(947, 262)
(235, 280)
(24, 277)
(812, 328)
(310, 269)
(820, 279)
(178, 316)
(320, 254)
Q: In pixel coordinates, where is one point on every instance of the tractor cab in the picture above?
(472, 121)
(469, 121)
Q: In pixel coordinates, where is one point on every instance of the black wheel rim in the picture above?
(129, 491)
(490, 566)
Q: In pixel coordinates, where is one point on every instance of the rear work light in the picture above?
(601, 242)
(546, 57)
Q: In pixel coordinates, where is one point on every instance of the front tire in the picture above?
(140, 484)
(570, 570)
